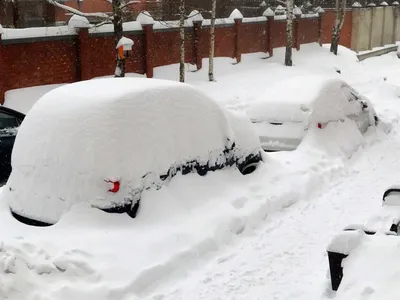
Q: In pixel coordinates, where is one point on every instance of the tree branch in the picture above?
(79, 13)
(281, 2)
(129, 3)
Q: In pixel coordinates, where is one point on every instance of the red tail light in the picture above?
(319, 125)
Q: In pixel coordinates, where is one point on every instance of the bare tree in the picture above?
(339, 21)
(182, 40)
(212, 42)
(289, 31)
(116, 19)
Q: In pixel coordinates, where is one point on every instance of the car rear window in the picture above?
(7, 121)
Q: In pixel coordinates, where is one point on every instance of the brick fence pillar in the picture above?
(238, 30)
(2, 71)
(198, 59)
(270, 26)
(296, 31)
(149, 38)
(82, 55)
(320, 24)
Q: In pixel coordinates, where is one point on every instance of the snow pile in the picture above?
(268, 13)
(79, 22)
(337, 139)
(371, 271)
(126, 125)
(23, 99)
(346, 241)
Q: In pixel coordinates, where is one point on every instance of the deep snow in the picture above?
(224, 236)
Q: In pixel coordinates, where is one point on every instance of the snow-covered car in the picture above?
(104, 141)
(10, 120)
(355, 247)
(282, 116)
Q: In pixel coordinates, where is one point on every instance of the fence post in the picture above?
(320, 12)
(82, 65)
(2, 72)
(238, 29)
(269, 13)
(197, 42)
(149, 37)
(296, 29)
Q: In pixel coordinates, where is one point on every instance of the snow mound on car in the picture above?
(299, 98)
(78, 136)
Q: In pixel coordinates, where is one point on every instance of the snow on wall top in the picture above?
(10, 33)
(121, 129)
(127, 26)
(1, 29)
(299, 98)
(195, 15)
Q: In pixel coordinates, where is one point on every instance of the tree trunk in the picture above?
(212, 42)
(182, 38)
(15, 9)
(289, 33)
(118, 33)
(339, 21)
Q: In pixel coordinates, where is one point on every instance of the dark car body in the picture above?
(10, 120)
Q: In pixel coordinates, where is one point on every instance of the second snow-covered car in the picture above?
(282, 116)
(105, 141)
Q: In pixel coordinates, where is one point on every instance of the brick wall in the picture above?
(48, 60)
(327, 24)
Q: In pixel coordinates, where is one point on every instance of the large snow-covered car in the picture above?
(105, 141)
(10, 120)
(282, 116)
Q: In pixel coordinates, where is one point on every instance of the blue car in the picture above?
(10, 120)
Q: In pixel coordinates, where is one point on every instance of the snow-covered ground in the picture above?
(225, 236)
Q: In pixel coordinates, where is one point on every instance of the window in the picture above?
(8, 121)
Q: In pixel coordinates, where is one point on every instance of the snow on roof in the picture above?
(126, 43)
(268, 12)
(10, 33)
(236, 14)
(298, 98)
(145, 18)
(118, 128)
(78, 22)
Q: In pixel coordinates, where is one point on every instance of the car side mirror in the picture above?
(392, 196)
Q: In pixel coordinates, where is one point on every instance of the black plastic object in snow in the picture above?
(336, 269)
(389, 191)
